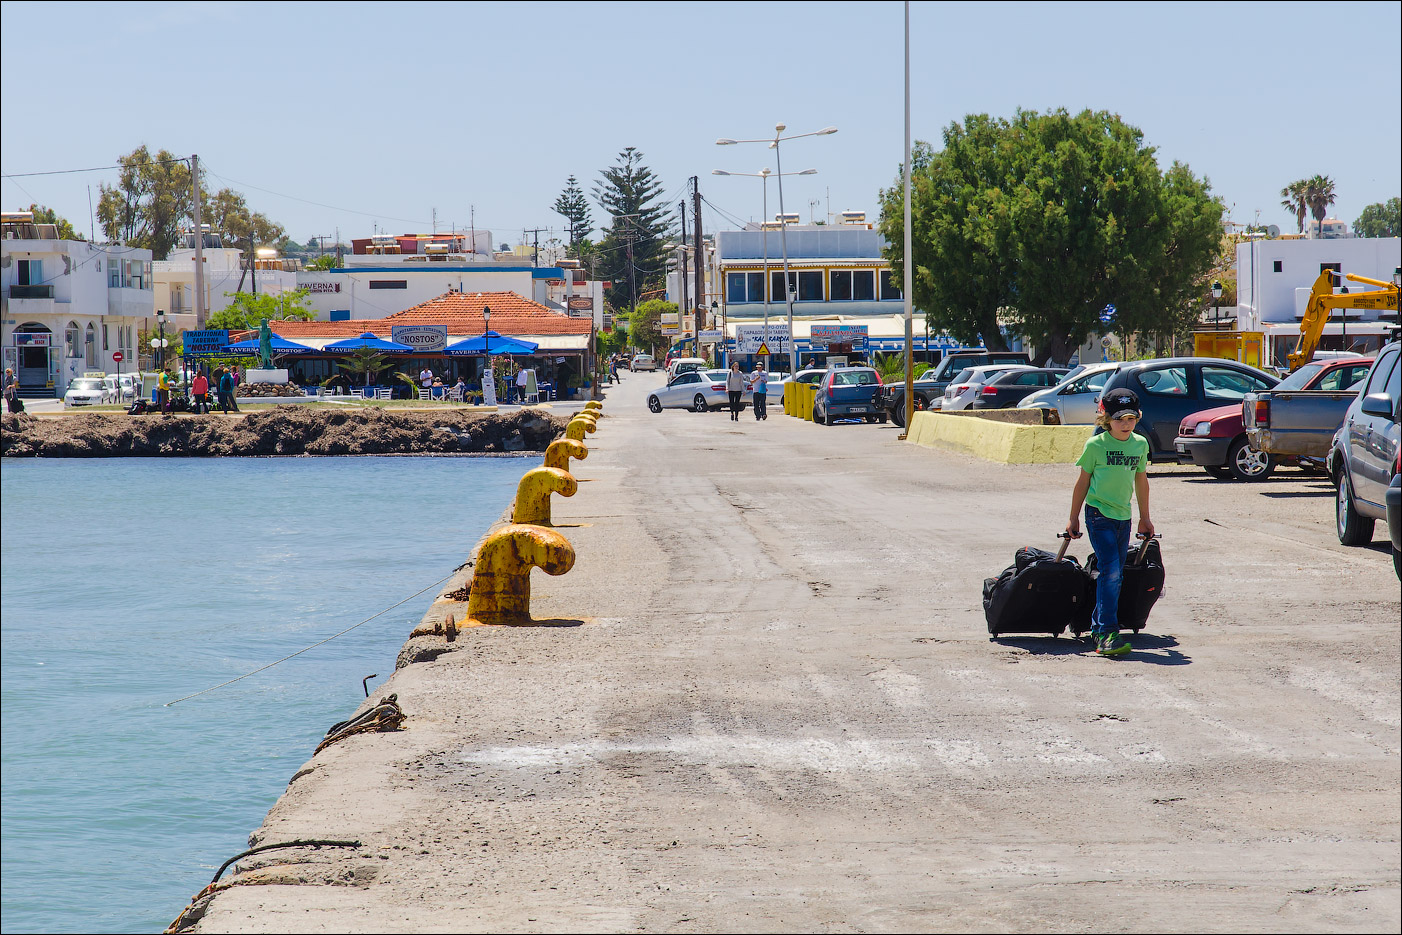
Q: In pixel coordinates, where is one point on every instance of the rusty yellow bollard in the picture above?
(533, 494)
(593, 404)
(501, 579)
(559, 452)
(577, 427)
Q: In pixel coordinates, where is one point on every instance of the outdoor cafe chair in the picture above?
(384, 392)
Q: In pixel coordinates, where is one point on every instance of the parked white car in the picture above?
(87, 391)
(967, 383)
(704, 390)
(684, 365)
(642, 362)
(121, 388)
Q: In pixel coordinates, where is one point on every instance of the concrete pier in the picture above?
(779, 710)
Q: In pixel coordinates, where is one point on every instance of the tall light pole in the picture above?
(763, 175)
(908, 276)
(778, 138)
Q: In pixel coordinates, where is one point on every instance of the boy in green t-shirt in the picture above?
(1113, 466)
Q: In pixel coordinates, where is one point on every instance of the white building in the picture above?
(69, 305)
(225, 271)
(389, 274)
(1274, 278)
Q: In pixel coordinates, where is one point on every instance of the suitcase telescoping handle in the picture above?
(1065, 538)
(1139, 558)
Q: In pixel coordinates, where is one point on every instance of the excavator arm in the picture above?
(1322, 303)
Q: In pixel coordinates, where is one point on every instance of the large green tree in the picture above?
(228, 215)
(150, 203)
(645, 324)
(631, 195)
(1038, 223)
(572, 204)
(1383, 219)
(247, 311)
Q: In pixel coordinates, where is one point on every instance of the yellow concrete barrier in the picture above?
(559, 452)
(810, 394)
(533, 494)
(1001, 441)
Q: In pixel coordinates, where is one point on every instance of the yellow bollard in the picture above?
(590, 414)
(577, 427)
(533, 494)
(789, 390)
(559, 452)
(501, 580)
(810, 392)
(593, 404)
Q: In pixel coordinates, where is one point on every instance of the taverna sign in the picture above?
(428, 338)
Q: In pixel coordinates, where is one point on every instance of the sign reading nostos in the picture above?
(427, 338)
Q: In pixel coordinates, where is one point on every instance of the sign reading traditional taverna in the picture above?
(428, 338)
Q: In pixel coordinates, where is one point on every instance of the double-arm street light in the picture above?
(764, 174)
(774, 142)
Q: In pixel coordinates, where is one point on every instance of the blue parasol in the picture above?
(496, 343)
(368, 340)
(280, 346)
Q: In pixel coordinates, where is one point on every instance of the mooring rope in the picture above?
(316, 644)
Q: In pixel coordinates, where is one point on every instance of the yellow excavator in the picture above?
(1322, 303)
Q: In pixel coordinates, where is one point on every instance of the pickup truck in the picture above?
(1299, 416)
(932, 382)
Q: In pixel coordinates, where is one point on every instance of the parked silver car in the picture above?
(1074, 398)
(965, 387)
(704, 390)
(1365, 454)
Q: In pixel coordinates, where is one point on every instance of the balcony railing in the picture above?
(31, 292)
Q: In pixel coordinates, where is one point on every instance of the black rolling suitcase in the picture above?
(1038, 593)
(1140, 586)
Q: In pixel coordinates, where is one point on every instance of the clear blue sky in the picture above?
(394, 110)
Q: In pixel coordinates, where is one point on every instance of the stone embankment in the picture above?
(284, 430)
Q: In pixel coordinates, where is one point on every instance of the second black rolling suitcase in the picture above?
(1140, 586)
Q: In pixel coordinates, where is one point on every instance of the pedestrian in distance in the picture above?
(735, 387)
(12, 403)
(227, 386)
(759, 384)
(1114, 467)
(200, 388)
(163, 391)
(425, 377)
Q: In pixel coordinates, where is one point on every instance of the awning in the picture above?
(370, 341)
(280, 346)
(493, 342)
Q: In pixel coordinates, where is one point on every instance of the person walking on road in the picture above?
(1113, 466)
(759, 384)
(735, 386)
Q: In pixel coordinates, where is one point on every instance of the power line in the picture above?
(151, 162)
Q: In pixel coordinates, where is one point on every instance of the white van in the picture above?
(685, 365)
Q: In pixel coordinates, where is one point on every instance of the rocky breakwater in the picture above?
(283, 430)
(262, 390)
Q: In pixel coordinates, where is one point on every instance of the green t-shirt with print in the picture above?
(1112, 465)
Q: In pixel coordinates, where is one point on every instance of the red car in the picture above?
(1216, 440)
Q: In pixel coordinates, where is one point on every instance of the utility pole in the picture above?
(682, 272)
(201, 312)
(697, 243)
(535, 257)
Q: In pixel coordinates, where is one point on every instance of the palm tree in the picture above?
(364, 360)
(1295, 195)
(1319, 195)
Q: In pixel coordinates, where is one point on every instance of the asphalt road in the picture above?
(783, 713)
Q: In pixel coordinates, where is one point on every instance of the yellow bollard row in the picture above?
(500, 592)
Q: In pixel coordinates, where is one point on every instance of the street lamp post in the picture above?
(763, 175)
(773, 143)
(1216, 310)
(160, 343)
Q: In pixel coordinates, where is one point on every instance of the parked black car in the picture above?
(930, 385)
(1171, 388)
(1006, 390)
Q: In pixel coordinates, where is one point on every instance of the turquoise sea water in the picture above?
(126, 583)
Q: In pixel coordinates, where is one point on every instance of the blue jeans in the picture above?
(1110, 540)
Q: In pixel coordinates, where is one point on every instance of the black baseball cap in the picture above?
(1120, 403)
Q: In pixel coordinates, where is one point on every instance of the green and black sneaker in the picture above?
(1111, 644)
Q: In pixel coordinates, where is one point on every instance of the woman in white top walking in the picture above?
(735, 386)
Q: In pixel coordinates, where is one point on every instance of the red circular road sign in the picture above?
(117, 356)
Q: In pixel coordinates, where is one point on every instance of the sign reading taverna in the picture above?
(427, 338)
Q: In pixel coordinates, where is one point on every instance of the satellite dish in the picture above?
(1273, 230)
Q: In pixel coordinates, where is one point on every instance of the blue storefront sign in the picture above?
(210, 341)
